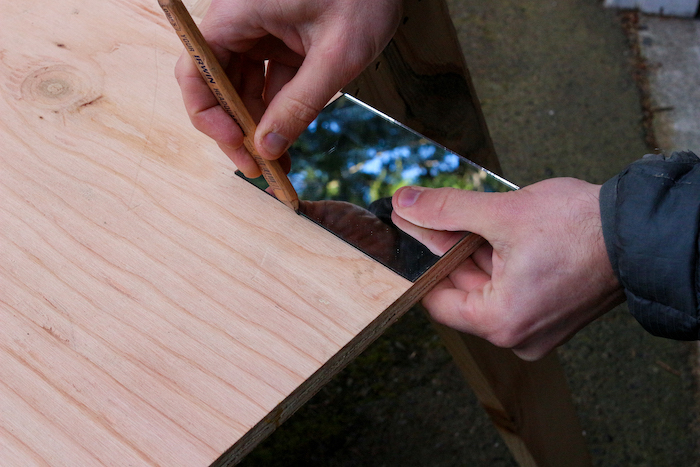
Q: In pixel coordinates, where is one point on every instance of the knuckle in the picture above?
(200, 122)
(442, 208)
(508, 208)
(503, 330)
(505, 339)
(505, 335)
(301, 110)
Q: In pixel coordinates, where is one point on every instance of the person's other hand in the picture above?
(312, 47)
(544, 274)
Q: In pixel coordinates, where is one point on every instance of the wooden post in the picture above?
(528, 402)
(421, 79)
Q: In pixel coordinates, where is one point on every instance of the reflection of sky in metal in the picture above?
(352, 149)
(332, 126)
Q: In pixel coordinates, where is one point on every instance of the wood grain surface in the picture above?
(155, 308)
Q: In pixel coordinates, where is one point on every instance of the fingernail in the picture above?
(275, 143)
(408, 196)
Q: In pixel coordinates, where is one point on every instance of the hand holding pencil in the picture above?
(220, 85)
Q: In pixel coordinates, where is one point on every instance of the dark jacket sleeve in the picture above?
(650, 214)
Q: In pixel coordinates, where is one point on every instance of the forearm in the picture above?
(651, 214)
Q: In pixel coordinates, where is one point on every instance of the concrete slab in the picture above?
(671, 48)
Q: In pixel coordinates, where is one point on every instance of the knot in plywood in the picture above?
(60, 87)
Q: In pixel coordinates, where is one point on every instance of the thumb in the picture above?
(451, 209)
(300, 100)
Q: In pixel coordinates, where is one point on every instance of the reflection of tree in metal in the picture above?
(351, 153)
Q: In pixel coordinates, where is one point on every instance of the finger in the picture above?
(273, 49)
(437, 241)
(454, 308)
(203, 108)
(538, 347)
(470, 304)
(469, 276)
(455, 210)
(248, 79)
(246, 164)
(230, 26)
(209, 117)
(286, 162)
(243, 160)
(483, 258)
(544, 340)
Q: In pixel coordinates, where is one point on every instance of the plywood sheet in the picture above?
(154, 307)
